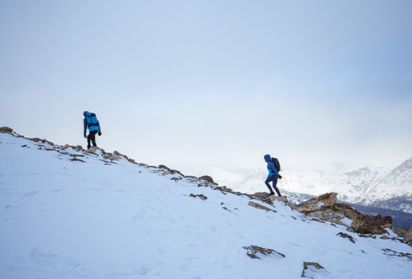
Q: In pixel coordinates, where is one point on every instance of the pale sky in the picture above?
(202, 84)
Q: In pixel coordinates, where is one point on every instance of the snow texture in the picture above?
(95, 218)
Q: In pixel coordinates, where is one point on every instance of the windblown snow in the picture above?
(67, 213)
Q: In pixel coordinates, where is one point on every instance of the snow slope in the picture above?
(71, 214)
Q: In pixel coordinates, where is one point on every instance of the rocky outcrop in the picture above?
(325, 208)
(255, 252)
(283, 199)
(6, 130)
(110, 156)
(169, 170)
(367, 224)
(207, 178)
(408, 235)
(315, 204)
(267, 198)
(42, 141)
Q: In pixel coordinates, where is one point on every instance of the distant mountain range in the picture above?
(375, 187)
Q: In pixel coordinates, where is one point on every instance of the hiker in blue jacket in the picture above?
(273, 175)
(91, 123)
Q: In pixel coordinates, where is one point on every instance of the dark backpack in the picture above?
(276, 163)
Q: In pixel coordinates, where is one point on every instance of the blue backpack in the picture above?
(276, 163)
(92, 122)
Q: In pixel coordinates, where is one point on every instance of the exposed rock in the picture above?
(259, 206)
(325, 208)
(262, 196)
(329, 215)
(408, 235)
(207, 178)
(64, 147)
(347, 211)
(283, 199)
(169, 170)
(41, 140)
(92, 149)
(323, 201)
(200, 196)
(345, 235)
(253, 250)
(74, 159)
(310, 267)
(366, 224)
(78, 148)
(393, 253)
(6, 130)
(117, 153)
(225, 189)
(110, 156)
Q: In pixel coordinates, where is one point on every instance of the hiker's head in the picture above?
(86, 113)
(266, 157)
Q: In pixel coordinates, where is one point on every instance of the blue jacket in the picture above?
(272, 169)
(271, 166)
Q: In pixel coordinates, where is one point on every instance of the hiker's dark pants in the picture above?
(273, 178)
(91, 137)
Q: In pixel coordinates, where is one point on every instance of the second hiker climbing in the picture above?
(91, 123)
(273, 168)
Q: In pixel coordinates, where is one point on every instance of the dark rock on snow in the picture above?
(200, 196)
(254, 250)
(310, 267)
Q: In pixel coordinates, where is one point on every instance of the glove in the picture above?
(100, 133)
(280, 177)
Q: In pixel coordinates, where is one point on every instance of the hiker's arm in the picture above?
(85, 127)
(100, 130)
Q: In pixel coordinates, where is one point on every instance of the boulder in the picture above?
(366, 224)
(117, 153)
(92, 149)
(323, 201)
(110, 156)
(207, 178)
(262, 196)
(408, 235)
(6, 130)
(169, 170)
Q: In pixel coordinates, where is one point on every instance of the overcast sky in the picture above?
(201, 84)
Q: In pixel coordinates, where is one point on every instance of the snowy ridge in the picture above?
(67, 213)
(366, 186)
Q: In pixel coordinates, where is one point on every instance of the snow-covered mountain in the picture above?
(69, 213)
(393, 190)
(381, 187)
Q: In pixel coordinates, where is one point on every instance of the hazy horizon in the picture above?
(202, 84)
